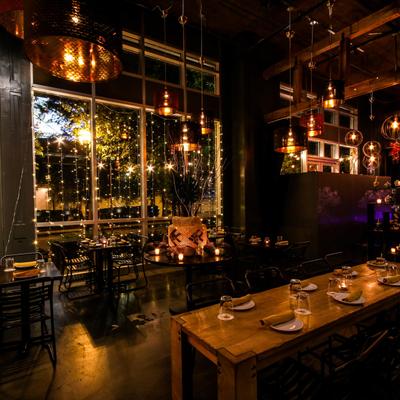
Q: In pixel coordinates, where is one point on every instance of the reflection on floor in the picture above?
(104, 355)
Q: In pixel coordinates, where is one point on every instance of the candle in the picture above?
(216, 252)
(180, 256)
(157, 251)
(393, 250)
(379, 201)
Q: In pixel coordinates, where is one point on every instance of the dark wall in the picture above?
(330, 210)
(16, 163)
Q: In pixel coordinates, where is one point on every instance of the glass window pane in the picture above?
(329, 117)
(313, 148)
(193, 81)
(312, 167)
(156, 69)
(62, 157)
(344, 120)
(328, 150)
(162, 163)
(326, 168)
(130, 62)
(291, 164)
(118, 162)
(344, 151)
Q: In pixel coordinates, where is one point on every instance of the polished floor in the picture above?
(107, 355)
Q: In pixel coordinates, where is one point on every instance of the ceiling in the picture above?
(265, 22)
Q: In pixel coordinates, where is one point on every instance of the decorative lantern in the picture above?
(353, 137)
(206, 123)
(187, 138)
(291, 139)
(75, 40)
(390, 128)
(166, 103)
(313, 122)
(12, 17)
(334, 94)
(371, 148)
(371, 163)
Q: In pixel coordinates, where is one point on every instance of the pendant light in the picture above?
(312, 120)
(293, 138)
(12, 17)
(390, 128)
(77, 40)
(353, 137)
(188, 138)
(206, 122)
(165, 101)
(334, 93)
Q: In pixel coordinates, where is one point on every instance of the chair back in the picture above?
(314, 267)
(205, 293)
(337, 259)
(19, 257)
(264, 278)
(59, 256)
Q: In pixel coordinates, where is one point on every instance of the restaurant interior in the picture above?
(199, 199)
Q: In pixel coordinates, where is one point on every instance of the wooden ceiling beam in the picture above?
(362, 88)
(359, 28)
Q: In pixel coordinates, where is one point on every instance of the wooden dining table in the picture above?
(241, 347)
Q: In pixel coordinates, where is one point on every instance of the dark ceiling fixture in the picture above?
(79, 41)
(293, 138)
(334, 92)
(165, 101)
(12, 17)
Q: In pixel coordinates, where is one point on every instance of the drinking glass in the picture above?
(9, 264)
(225, 308)
(347, 272)
(303, 304)
(333, 286)
(294, 289)
(279, 238)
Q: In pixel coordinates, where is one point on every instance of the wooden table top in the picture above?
(49, 270)
(243, 337)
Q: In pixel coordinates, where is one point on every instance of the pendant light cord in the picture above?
(182, 21)
(330, 5)
(311, 64)
(201, 55)
(164, 15)
(289, 35)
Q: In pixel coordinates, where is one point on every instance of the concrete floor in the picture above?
(107, 356)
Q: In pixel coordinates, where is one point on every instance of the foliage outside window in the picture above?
(157, 69)
(291, 164)
(193, 81)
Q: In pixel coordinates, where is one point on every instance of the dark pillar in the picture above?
(17, 230)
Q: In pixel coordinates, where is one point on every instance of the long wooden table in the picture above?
(240, 347)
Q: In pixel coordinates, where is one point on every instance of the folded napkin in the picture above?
(26, 274)
(353, 295)
(282, 243)
(25, 264)
(277, 319)
(391, 279)
(241, 300)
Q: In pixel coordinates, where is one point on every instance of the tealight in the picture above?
(393, 250)
(378, 201)
(217, 252)
(180, 256)
(157, 251)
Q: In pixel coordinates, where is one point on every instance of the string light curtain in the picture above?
(293, 138)
(75, 40)
(12, 17)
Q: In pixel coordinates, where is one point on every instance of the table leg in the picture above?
(188, 281)
(236, 381)
(99, 264)
(26, 327)
(181, 364)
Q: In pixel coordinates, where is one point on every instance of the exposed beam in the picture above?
(362, 88)
(359, 28)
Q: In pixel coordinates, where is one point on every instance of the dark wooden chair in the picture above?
(314, 267)
(26, 307)
(337, 259)
(265, 278)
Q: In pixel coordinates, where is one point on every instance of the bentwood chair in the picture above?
(26, 307)
(75, 266)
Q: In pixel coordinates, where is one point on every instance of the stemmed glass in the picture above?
(9, 264)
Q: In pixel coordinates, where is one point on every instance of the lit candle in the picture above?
(378, 201)
(157, 251)
(216, 252)
(180, 256)
(393, 250)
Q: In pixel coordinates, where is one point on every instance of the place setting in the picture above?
(389, 276)
(25, 269)
(341, 290)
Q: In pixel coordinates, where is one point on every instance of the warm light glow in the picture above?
(75, 19)
(150, 168)
(165, 108)
(84, 136)
(180, 257)
(100, 165)
(378, 201)
(217, 251)
(169, 166)
(68, 57)
(157, 251)
(395, 124)
(393, 250)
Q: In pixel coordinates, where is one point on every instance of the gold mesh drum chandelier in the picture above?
(12, 17)
(76, 40)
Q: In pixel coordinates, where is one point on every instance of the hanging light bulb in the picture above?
(12, 17)
(313, 121)
(371, 148)
(165, 101)
(353, 137)
(293, 138)
(206, 123)
(75, 40)
(390, 128)
(334, 94)
(186, 139)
